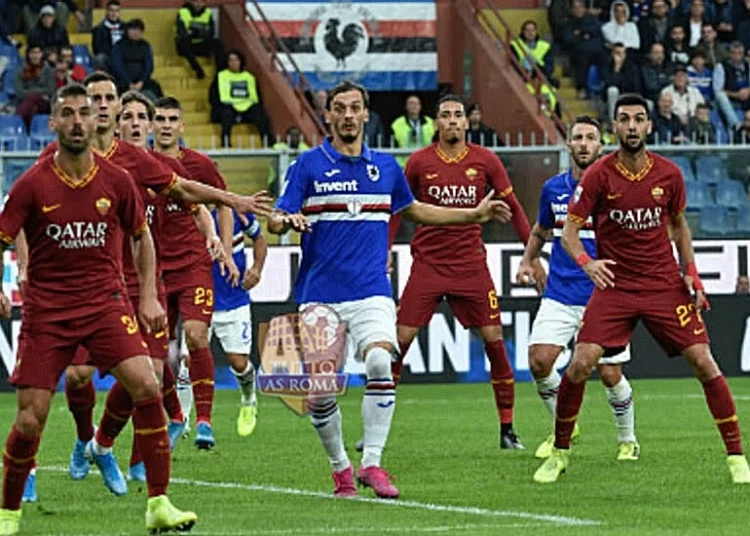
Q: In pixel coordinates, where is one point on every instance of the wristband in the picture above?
(692, 270)
(583, 259)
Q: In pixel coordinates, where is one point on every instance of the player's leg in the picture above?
(81, 398)
(234, 331)
(674, 322)
(620, 398)
(423, 291)
(117, 347)
(371, 324)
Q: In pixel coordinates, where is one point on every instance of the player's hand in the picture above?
(21, 281)
(389, 263)
(260, 204)
(525, 274)
(493, 209)
(216, 250)
(5, 306)
(232, 272)
(701, 301)
(297, 222)
(251, 278)
(599, 273)
(152, 315)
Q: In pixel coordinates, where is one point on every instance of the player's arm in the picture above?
(287, 215)
(531, 269)
(196, 192)
(5, 305)
(585, 199)
(260, 251)
(225, 220)
(22, 260)
(683, 241)
(12, 219)
(488, 209)
(205, 224)
(144, 259)
(499, 180)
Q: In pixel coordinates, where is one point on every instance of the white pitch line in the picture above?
(468, 510)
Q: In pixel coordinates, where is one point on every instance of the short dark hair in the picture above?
(526, 23)
(113, 3)
(69, 90)
(702, 106)
(631, 99)
(136, 23)
(136, 96)
(585, 120)
(698, 53)
(618, 45)
(239, 54)
(450, 97)
(343, 87)
(99, 76)
(64, 47)
(170, 103)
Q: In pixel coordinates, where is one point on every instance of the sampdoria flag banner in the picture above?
(383, 45)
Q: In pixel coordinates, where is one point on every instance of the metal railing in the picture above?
(539, 79)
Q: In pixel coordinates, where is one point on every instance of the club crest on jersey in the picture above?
(373, 172)
(577, 194)
(102, 205)
(657, 193)
(354, 206)
(471, 173)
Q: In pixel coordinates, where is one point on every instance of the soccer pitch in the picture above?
(444, 452)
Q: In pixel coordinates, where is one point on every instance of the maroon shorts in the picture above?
(471, 297)
(669, 315)
(46, 348)
(158, 343)
(190, 295)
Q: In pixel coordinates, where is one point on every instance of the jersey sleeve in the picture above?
(498, 177)
(678, 201)
(130, 208)
(401, 195)
(154, 174)
(585, 197)
(295, 186)
(546, 218)
(49, 149)
(252, 229)
(212, 175)
(16, 211)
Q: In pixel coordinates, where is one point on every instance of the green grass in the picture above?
(444, 451)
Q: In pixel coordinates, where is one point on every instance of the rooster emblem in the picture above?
(342, 48)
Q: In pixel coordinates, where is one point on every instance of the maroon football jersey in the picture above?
(75, 233)
(151, 176)
(631, 214)
(184, 245)
(461, 182)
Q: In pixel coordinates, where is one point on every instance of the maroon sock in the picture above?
(569, 400)
(503, 384)
(117, 411)
(397, 366)
(202, 378)
(81, 401)
(152, 442)
(169, 395)
(721, 404)
(18, 460)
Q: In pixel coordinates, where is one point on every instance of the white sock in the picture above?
(620, 399)
(184, 390)
(547, 389)
(326, 419)
(98, 449)
(246, 381)
(378, 404)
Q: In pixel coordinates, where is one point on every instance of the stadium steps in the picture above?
(568, 95)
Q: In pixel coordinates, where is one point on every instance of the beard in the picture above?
(452, 139)
(74, 147)
(349, 137)
(629, 148)
(583, 164)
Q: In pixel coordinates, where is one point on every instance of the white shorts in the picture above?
(233, 329)
(557, 324)
(368, 321)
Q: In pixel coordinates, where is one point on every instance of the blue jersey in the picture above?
(349, 202)
(567, 283)
(226, 296)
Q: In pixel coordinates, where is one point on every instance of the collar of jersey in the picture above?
(568, 175)
(334, 156)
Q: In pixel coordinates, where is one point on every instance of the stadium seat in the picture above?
(83, 57)
(39, 132)
(11, 53)
(12, 169)
(731, 194)
(715, 221)
(593, 81)
(743, 219)
(711, 169)
(11, 125)
(17, 142)
(684, 163)
(698, 195)
(722, 136)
